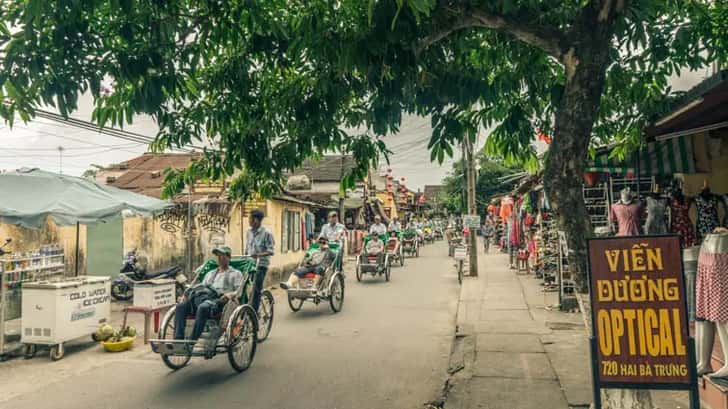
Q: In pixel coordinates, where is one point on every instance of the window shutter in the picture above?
(284, 231)
(297, 229)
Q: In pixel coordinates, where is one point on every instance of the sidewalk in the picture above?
(33, 375)
(511, 352)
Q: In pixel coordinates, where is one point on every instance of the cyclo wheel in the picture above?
(336, 296)
(242, 334)
(359, 273)
(387, 271)
(460, 271)
(401, 257)
(294, 303)
(173, 362)
(265, 315)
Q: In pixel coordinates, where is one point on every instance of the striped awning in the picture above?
(656, 158)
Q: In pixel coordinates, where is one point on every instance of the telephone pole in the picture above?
(472, 210)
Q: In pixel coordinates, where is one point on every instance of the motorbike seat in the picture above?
(159, 273)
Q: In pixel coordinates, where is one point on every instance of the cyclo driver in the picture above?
(315, 262)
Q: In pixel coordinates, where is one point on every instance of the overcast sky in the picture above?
(36, 143)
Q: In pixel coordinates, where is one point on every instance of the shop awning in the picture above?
(656, 158)
(29, 196)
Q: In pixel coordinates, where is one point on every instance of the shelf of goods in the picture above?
(47, 263)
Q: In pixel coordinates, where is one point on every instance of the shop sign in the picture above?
(471, 220)
(639, 316)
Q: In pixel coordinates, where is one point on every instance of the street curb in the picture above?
(454, 394)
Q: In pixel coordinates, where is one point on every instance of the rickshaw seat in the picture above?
(309, 275)
(392, 244)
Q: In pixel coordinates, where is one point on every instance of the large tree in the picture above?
(267, 83)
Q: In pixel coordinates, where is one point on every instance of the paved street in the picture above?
(388, 348)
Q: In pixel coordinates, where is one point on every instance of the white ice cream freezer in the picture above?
(59, 311)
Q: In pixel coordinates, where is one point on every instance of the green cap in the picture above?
(222, 250)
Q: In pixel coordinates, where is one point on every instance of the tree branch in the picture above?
(548, 39)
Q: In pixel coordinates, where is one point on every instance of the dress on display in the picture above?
(655, 223)
(711, 287)
(707, 215)
(627, 217)
(680, 223)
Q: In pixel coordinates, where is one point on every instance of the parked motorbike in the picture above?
(134, 271)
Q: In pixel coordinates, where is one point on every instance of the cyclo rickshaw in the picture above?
(236, 331)
(427, 235)
(374, 265)
(410, 242)
(394, 248)
(331, 285)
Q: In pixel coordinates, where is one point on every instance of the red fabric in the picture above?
(516, 234)
(543, 137)
(506, 207)
(711, 287)
(523, 254)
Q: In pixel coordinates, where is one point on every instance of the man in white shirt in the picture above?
(333, 230)
(378, 228)
(395, 226)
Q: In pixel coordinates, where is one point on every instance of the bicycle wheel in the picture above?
(242, 334)
(265, 315)
(337, 294)
(294, 303)
(173, 362)
(359, 273)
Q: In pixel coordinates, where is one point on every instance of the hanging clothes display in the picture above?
(506, 207)
(711, 294)
(707, 214)
(725, 207)
(627, 217)
(516, 234)
(680, 223)
(655, 222)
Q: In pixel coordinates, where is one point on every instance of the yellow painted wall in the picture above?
(388, 202)
(272, 221)
(31, 239)
(163, 248)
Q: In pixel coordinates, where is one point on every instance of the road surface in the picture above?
(387, 349)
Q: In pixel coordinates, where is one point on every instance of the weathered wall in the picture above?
(163, 248)
(31, 239)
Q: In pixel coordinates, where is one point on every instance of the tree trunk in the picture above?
(585, 63)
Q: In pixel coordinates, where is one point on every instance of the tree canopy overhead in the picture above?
(267, 83)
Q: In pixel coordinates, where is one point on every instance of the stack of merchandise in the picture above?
(547, 244)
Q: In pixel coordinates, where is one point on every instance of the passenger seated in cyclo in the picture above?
(315, 262)
(375, 248)
(208, 298)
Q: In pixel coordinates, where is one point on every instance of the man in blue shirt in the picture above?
(259, 243)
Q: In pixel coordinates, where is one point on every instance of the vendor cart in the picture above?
(55, 312)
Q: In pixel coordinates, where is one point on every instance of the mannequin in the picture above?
(626, 214)
(680, 223)
(711, 300)
(656, 211)
(707, 204)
